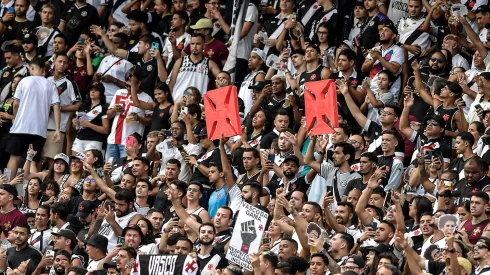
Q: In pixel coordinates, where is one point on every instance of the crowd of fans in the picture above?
(105, 154)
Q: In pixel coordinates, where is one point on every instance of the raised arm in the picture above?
(111, 47)
(225, 163)
(100, 182)
(404, 121)
(309, 157)
(328, 214)
(375, 180)
(184, 216)
(134, 96)
(354, 110)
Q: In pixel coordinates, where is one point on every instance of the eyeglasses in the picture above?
(480, 246)
(90, 180)
(352, 141)
(433, 123)
(438, 60)
(322, 33)
(193, 190)
(385, 113)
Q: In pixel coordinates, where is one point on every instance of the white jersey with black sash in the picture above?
(192, 75)
(107, 231)
(245, 93)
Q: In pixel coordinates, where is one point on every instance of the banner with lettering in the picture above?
(166, 264)
(247, 235)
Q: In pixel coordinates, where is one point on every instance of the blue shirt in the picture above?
(217, 199)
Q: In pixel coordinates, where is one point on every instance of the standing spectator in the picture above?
(177, 39)
(76, 18)
(10, 216)
(31, 120)
(46, 39)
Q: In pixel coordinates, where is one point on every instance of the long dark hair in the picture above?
(162, 86)
(87, 103)
(39, 195)
(149, 237)
(50, 176)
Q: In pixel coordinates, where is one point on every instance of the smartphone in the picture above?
(8, 173)
(50, 253)
(293, 16)
(478, 107)
(167, 133)
(11, 9)
(81, 40)
(110, 160)
(154, 46)
(20, 171)
(271, 158)
(268, 82)
(130, 141)
(267, 238)
(374, 226)
(120, 241)
(184, 110)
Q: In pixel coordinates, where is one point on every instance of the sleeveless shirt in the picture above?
(160, 119)
(191, 75)
(107, 231)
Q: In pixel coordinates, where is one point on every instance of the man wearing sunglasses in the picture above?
(481, 249)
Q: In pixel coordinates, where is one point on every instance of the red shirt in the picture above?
(474, 231)
(9, 220)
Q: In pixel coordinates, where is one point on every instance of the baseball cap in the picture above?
(9, 188)
(464, 263)
(483, 9)
(437, 118)
(380, 248)
(259, 85)
(203, 23)
(67, 233)
(357, 260)
(31, 38)
(260, 53)
(377, 209)
(84, 209)
(80, 156)
(389, 24)
(134, 227)
(63, 157)
(347, 43)
(98, 86)
(98, 241)
(359, 3)
(292, 158)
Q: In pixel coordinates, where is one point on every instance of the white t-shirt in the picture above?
(122, 128)
(167, 50)
(459, 61)
(118, 70)
(97, 3)
(170, 152)
(244, 47)
(396, 55)
(32, 116)
(69, 95)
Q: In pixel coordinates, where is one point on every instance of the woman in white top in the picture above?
(148, 244)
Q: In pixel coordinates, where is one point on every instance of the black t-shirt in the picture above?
(297, 185)
(215, 260)
(369, 31)
(15, 258)
(205, 159)
(93, 115)
(17, 30)
(355, 184)
(78, 19)
(462, 191)
(147, 71)
(266, 141)
(8, 74)
(375, 133)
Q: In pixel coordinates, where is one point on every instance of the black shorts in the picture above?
(18, 144)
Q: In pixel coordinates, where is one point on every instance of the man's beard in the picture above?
(384, 41)
(60, 270)
(436, 71)
(247, 200)
(210, 242)
(289, 174)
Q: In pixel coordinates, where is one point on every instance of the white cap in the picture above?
(260, 53)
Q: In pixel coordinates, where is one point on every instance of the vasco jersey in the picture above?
(192, 74)
(69, 95)
(314, 75)
(107, 231)
(147, 71)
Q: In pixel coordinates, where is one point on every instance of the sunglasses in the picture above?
(439, 60)
(193, 190)
(433, 123)
(480, 246)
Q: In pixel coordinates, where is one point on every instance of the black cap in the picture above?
(485, 240)
(357, 260)
(359, 3)
(98, 241)
(67, 234)
(390, 25)
(292, 158)
(259, 85)
(377, 209)
(134, 227)
(97, 85)
(31, 38)
(84, 209)
(380, 248)
(483, 9)
(437, 118)
(9, 188)
(109, 265)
